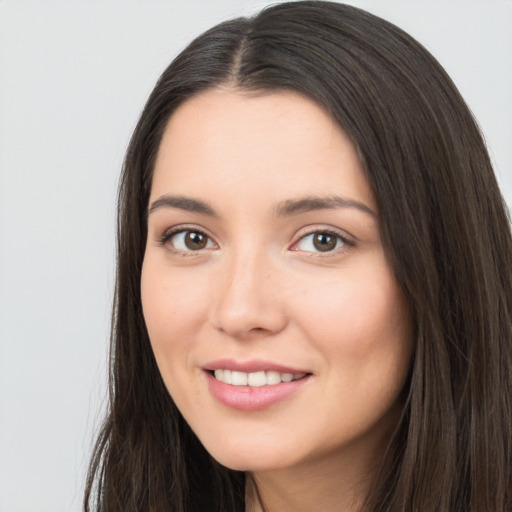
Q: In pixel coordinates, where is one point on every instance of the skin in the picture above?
(260, 289)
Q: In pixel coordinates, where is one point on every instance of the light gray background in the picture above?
(73, 79)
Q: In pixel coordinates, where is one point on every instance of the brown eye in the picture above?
(195, 241)
(188, 240)
(320, 241)
(324, 241)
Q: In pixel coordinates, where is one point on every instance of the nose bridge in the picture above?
(243, 270)
(248, 298)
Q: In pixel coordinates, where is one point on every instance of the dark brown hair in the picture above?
(444, 227)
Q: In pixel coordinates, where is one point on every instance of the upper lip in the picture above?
(254, 365)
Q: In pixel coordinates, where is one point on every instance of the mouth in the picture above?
(254, 385)
(255, 379)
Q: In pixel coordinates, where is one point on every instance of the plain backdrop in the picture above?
(74, 76)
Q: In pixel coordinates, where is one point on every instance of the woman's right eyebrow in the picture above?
(182, 203)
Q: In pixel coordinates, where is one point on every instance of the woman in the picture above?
(313, 300)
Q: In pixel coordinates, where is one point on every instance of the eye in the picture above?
(187, 240)
(320, 241)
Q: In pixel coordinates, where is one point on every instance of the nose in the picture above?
(248, 300)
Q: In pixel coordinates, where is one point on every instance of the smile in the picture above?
(255, 379)
(255, 385)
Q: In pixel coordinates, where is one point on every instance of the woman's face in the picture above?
(275, 319)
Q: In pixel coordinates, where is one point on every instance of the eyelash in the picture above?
(168, 235)
(346, 242)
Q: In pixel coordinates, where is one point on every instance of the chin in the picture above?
(250, 457)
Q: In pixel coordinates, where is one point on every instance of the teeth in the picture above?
(255, 379)
(273, 378)
(237, 378)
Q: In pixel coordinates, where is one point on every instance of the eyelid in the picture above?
(181, 228)
(348, 240)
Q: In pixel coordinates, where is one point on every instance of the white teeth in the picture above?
(273, 378)
(239, 378)
(255, 379)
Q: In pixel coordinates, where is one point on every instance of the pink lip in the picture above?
(255, 365)
(247, 398)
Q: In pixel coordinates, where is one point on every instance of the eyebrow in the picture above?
(286, 208)
(310, 204)
(182, 203)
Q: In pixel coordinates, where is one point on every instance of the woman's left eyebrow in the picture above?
(312, 203)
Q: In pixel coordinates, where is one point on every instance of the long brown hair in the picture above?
(445, 230)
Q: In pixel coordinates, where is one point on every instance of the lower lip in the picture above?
(247, 398)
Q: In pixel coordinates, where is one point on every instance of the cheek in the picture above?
(170, 300)
(173, 306)
(361, 320)
(362, 329)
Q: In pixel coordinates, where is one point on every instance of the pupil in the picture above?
(195, 240)
(324, 242)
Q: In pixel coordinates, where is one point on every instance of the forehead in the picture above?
(263, 142)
